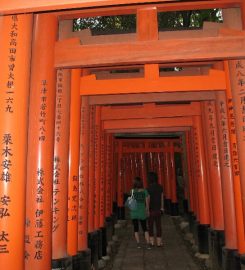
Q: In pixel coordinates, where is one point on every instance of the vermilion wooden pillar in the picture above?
(120, 178)
(41, 145)
(204, 217)
(84, 176)
(195, 174)
(108, 174)
(14, 96)
(174, 200)
(226, 173)
(216, 201)
(167, 177)
(235, 71)
(91, 184)
(102, 179)
(143, 169)
(60, 171)
(97, 158)
(235, 166)
(190, 174)
(173, 175)
(73, 177)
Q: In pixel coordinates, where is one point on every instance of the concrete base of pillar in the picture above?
(230, 259)
(114, 208)
(174, 209)
(109, 228)
(121, 213)
(192, 220)
(167, 206)
(216, 243)
(82, 261)
(93, 245)
(99, 243)
(202, 234)
(242, 261)
(104, 241)
(185, 206)
(62, 264)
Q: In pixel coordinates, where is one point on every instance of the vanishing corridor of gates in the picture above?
(82, 115)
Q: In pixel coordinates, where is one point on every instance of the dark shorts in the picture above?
(142, 223)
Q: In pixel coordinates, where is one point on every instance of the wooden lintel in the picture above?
(25, 6)
(141, 52)
(148, 131)
(147, 123)
(16, 6)
(215, 80)
(151, 97)
(150, 111)
(161, 6)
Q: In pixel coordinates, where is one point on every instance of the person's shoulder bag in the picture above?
(131, 202)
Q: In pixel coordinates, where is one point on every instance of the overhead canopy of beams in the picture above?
(215, 80)
(24, 6)
(70, 54)
(151, 97)
(148, 123)
(149, 110)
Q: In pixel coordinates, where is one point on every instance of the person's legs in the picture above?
(136, 230)
(151, 229)
(159, 229)
(144, 228)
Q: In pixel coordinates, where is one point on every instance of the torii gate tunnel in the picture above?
(82, 115)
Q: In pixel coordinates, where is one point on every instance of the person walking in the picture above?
(140, 214)
(156, 207)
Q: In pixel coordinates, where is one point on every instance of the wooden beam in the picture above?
(149, 110)
(151, 97)
(141, 52)
(215, 80)
(147, 24)
(161, 7)
(148, 123)
(149, 131)
(25, 6)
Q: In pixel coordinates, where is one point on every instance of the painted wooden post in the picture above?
(226, 173)
(235, 72)
(41, 145)
(120, 181)
(174, 201)
(60, 169)
(102, 179)
(84, 176)
(204, 217)
(73, 177)
(215, 197)
(108, 174)
(91, 184)
(97, 157)
(190, 174)
(143, 169)
(235, 165)
(15, 54)
(195, 174)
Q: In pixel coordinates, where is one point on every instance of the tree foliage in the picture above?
(166, 20)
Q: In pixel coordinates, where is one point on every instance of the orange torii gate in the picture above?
(29, 35)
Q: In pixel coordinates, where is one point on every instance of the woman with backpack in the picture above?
(140, 213)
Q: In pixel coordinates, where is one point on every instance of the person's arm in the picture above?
(162, 202)
(147, 203)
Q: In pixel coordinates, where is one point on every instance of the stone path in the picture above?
(173, 256)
